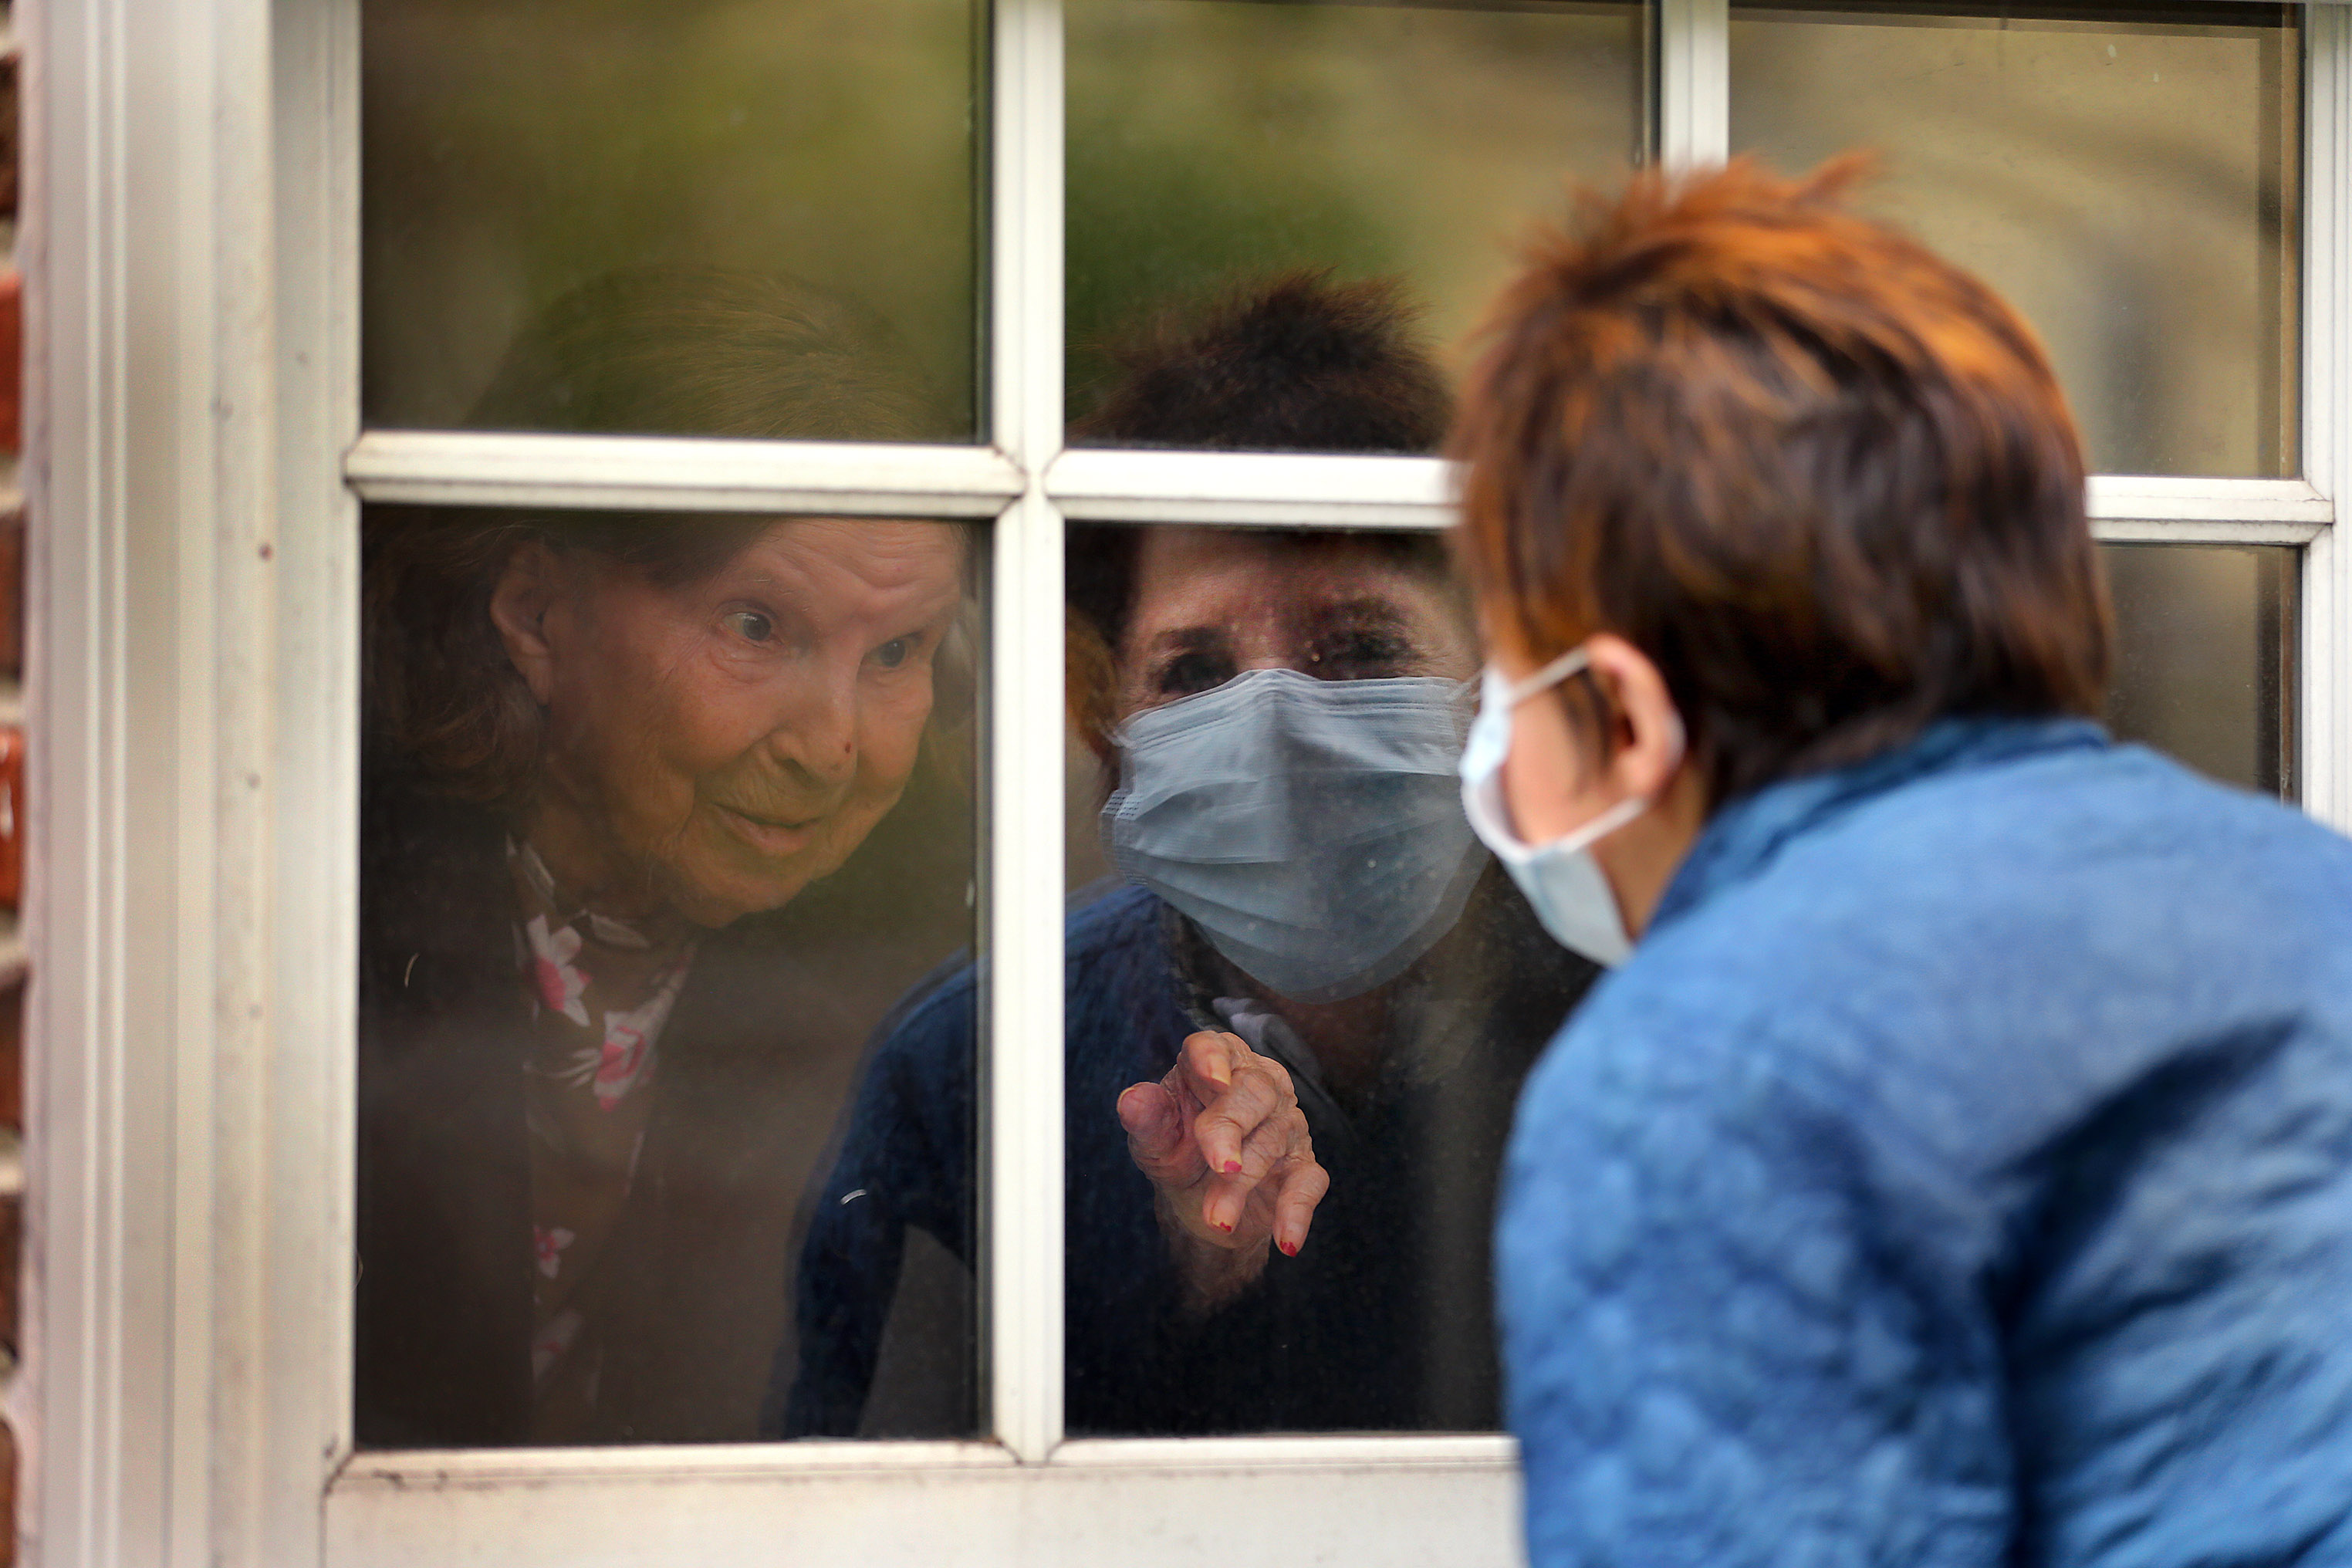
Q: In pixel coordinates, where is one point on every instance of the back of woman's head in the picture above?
(1825, 479)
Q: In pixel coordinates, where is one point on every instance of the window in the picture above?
(273, 336)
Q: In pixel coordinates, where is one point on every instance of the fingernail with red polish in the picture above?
(1233, 1167)
(1220, 1225)
(1290, 1249)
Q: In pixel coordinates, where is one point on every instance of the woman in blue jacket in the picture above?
(1960, 1169)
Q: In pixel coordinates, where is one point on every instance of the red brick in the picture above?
(12, 1052)
(11, 361)
(12, 592)
(7, 1497)
(12, 1237)
(8, 142)
(12, 815)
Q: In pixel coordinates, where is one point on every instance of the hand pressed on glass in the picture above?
(1231, 1163)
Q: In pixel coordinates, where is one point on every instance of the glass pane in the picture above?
(780, 191)
(661, 815)
(2205, 643)
(2126, 175)
(1215, 145)
(1267, 839)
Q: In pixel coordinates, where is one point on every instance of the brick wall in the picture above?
(13, 976)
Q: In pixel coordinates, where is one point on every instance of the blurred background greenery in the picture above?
(1216, 142)
(2127, 175)
(513, 150)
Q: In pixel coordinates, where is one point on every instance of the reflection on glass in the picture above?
(660, 812)
(660, 815)
(1275, 719)
(1302, 930)
(2127, 176)
(2204, 657)
(1214, 143)
(517, 154)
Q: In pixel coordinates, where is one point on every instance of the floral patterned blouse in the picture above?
(600, 992)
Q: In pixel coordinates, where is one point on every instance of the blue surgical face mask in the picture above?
(1312, 829)
(1561, 880)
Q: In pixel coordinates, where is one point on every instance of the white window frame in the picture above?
(197, 464)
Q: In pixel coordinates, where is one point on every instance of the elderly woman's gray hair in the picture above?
(659, 351)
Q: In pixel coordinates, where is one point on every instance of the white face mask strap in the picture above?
(1549, 676)
(1600, 827)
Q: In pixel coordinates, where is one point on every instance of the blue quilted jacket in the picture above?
(1960, 1172)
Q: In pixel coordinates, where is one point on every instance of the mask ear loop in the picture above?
(1551, 674)
(1575, 661)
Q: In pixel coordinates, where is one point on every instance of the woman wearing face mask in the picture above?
(1308, 969)
(1957, 1169)
(597, 742)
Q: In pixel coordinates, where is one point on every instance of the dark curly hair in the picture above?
(661, 351)
(1296, 362)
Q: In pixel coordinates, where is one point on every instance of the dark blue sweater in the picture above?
(1383, 1320)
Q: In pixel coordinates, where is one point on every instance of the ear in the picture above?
(1649, 745)
(530, 591)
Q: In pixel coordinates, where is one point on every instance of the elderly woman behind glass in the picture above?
(1295, 1028)
(596, 742)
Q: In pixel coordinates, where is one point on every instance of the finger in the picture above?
(1208, 1062)
(1279, 1138)
(1157, 1136)
(1256, 1097)
(1276, 1143)
(1154, 1122)
(1179, 1084)
(1303, 1187)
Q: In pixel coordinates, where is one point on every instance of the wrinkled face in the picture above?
(1212, 603)
(718, 745)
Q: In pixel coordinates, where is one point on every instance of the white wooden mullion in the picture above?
(1290, 488)
(1694, 82)
(1022, 1180)
(1316, 490)
(2194, 500)
(87, 1433)
(310, 1070)
(449, 468)
(2204, 531)
(1163, 1505)
(2324, 726)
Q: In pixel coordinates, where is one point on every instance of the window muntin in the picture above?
(1214, 145)
(818, 154)
(2126, 176)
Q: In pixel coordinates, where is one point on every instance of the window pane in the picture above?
(1217, 144)
(2205, 657)
(558, 184)
(1268, 839)
(2126, 175)
(661, 815)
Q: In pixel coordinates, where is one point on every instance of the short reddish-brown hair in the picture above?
(1824, 478)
